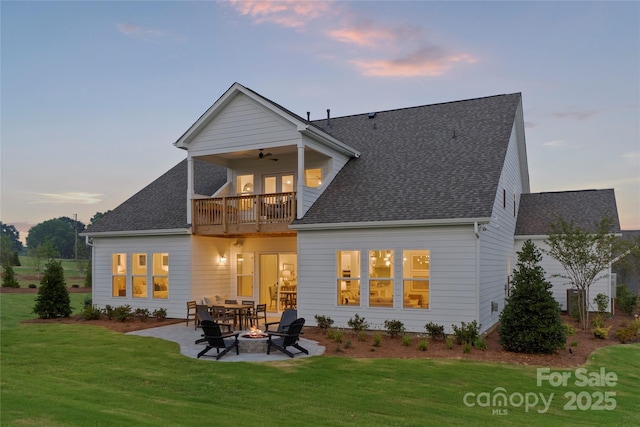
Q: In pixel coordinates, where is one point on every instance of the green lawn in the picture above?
(75, 375)
(26, 272)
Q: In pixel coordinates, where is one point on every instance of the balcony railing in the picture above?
(244, 214)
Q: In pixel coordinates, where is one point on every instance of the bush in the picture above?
(323, 322)
(601, 332)
(480, 344)
(347, 344)
(406, 340)
(629, 333)
(160, 314)
(122, 312)
(142, 313)
(108, 311)
(466, 348)
(598, 321)
(88, 278)
(423, 344)
(626, 300)
(377, 339)
(53, 297)
(32, 286)
(362, 336)
(448, 342)
(358, 323)
(569, 330)
(466, 333)
(394, 327)
(531, 322)
(602, 302)
(87, 301)
(335, 334)
(434, 330)
(91, 313)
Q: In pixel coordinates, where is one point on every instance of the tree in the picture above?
(61, 232)
(584, 255)
(98, 216)
(42, 252)
(8, 276)
(53, 297)
(531, 322)
(88, 279)
(13, 235)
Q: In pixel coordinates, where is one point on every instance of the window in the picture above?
(348, 274)
(139, 275)
(245, 184)
(281, 183)
(313, 178)
(244, 263)
(119, 275)
(381, 278)
(160, 275)
(416, 270)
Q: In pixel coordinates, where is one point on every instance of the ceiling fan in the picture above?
(263, 155)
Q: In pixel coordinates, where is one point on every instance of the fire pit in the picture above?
(253, 341)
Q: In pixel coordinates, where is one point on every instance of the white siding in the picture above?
(497, 238)
(453, 291)
(243, 125)
(560, 285)
(179, 250)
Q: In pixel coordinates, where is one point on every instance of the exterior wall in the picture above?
(496, 239)
(243, 125)
(179, 250)
(453, 274)
(560, 285)
(209, 276)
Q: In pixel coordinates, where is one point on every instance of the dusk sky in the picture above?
(93, 94)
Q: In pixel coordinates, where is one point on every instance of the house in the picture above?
(406, 214)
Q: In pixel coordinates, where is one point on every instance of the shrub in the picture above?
(569, 330)
(626, 300)
(629, 333)
(531, 322)
(362, 336)
(87, 301)
(598, 321)
(602, 301)
(377, 339)
(406, 340)
(122, 312)
(53, 297)
(32, 286)
(480, 344)
(142, 313)
(601, 332)
(574, 343)
(9, 277)
(467, 332)
(87, 279)
(423, 344)
(160, 314)
(394, 327)
(108, 311)
(347, 344)
(91, 313)
(434, 330)
(323, 322)
(448, 342)
(334, 334)
(358, 323)
(466, 348)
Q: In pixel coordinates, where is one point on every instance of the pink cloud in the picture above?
(368, 34)
(428, 61)
(288, 13)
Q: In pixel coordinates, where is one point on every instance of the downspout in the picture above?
(476, 230)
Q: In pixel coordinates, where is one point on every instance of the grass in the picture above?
(75, 375)
(27, 274)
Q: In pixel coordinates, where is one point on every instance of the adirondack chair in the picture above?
(288, 316)
(216, 339)
(282, 340)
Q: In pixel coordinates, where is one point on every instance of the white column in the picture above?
(300, 186)
(189, 186)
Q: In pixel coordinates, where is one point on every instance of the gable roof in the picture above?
(583, 208)
(162, 205)
(433, 162)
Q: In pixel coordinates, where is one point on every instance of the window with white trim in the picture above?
(348, 277)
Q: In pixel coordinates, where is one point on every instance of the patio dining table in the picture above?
(240, 312)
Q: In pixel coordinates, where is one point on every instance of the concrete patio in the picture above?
(186, 336)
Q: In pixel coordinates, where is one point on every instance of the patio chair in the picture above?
(288, 316)
(191, 311)
(260, 312)
(273, 294)
(202, 313)
(220, 315)
(216, 339)
(249, 313)
(282, 340)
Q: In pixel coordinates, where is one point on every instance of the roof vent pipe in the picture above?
(308, 116)
(328, 127)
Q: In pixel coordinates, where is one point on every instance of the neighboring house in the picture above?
(406, 214)
(584, 209)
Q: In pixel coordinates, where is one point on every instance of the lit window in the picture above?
(244, 263)
(139, 275)
(416, 269)
(313, 178)
(348, 274)
(245, 184)
(119, 275)
(161, 275)
(381, 278)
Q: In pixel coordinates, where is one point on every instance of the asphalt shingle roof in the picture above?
(162, 205)
(412, 167)
(583, 208)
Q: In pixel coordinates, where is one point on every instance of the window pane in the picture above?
(313, 178)
(139, 286)
(139, 275)
(381, 278)
(245, 286)
(245, 184)
(119, 263)
(348, 273)
(119, 278)
(119, 286)
(270, 185)
(416, 269)
(287, 183)
(161, 275)
(244, 273)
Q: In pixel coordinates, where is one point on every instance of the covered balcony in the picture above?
(244, 214)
